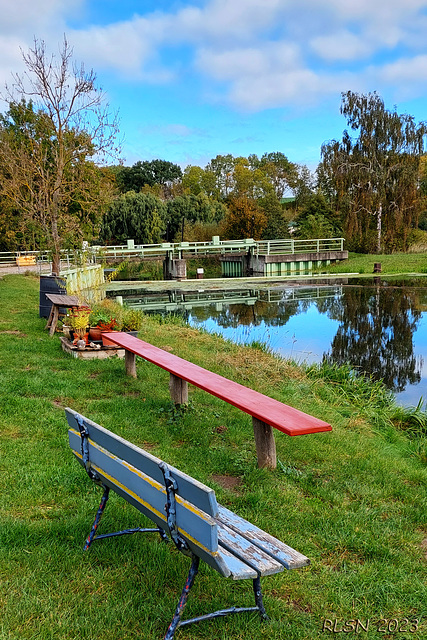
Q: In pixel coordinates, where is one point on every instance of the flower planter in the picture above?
(95, 333)
(81, 336)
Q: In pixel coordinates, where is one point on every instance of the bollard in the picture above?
(377, 267)
(200, 273)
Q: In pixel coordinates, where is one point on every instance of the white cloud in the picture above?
(251, 54)
(409, 74)
(341, 45)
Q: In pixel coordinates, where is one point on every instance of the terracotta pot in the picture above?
(95, 333)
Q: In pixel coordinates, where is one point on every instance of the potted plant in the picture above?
(78, 321)
(96, 318)
(105, 316)
(132, 321)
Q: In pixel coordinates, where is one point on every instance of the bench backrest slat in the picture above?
(190, 489)
(147, 495)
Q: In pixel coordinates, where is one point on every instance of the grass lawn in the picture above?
(395, 263)
(353, 500)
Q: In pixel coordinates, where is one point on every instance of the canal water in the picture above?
(377, 326)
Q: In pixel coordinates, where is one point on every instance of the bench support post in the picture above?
(98, 517)
(265, 444)
(176, 620)
(130, 363)
(178, 389)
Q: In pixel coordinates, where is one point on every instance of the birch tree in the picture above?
(374, 176)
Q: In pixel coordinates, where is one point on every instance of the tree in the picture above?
(374, 177)
(137, 216)
(282, 173)
(56, 124)
(197, 180)
(148, 172)
(244, 219)
(277, 225)
(317, 219)
(193, 209)
(223, 169)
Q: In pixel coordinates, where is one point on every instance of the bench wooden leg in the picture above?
(265, 444)
(130, 363)
(54, 320)
(178, 389)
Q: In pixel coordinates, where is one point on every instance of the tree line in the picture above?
(61, 181)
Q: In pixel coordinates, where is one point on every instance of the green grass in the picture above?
(353, 500)
(153, 269)
(396, 263)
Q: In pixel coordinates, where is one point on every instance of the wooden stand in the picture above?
(265, 444)
(178, 389)
(58, 301)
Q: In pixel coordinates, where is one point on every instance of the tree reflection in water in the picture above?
(375, 335)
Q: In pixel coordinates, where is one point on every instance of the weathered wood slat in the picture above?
(243, 549)
(197, 493)
(284, 554)
(283, 417)
(237, 570)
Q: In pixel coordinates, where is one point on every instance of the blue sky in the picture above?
(196, 78)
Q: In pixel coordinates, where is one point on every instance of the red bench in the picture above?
(266, 412)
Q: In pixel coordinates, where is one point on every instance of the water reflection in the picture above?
(376, 328)
(376, 334)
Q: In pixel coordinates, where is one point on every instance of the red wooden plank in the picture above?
(280, 416)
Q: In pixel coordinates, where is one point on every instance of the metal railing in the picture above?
(290, 246)
(96, 254)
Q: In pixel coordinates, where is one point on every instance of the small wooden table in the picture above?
(58, 301)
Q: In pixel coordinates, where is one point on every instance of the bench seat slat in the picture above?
(236, 568)
(243, 549)
(197, 493)
(283, 417)
(284, 554)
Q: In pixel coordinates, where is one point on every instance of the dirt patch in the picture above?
(299, 605)
(147, 445)
(167, 348)
(232, 483)
(13, 433)
(424, 547)
(15, 332)
(58, 404)
(220, 428)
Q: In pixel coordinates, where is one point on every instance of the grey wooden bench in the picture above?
(181, 508)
